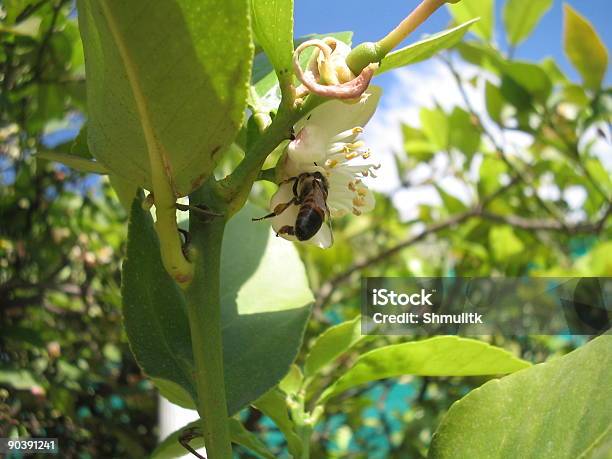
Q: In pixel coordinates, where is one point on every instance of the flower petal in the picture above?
(336, 116)
(323, 239)
(309, 145)
(288, 217)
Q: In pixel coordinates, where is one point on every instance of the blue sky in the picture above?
(371, 20)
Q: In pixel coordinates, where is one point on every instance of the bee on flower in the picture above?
(320, 174)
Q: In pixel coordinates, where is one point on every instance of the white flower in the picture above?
(327, 142)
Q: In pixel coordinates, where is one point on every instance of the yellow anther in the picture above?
(362, 191)
(358, 202)
(357, 130)
(331, 163)
(356, 212)
(351, 186)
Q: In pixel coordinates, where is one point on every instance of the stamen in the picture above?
(346, 134)
(331, 163)
(359, 202)
(351, 186)
(356, 212)
(362, 191)
(366, 155)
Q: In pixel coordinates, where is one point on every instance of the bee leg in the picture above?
(279, 209)
(290, 230)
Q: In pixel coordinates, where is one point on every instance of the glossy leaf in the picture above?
(262, 320)
(425, 48)
(522, 16)
(272, 22)
(557, 409)
(467, 10)
(584, 48)
(164, 83)
(439, 356)
(332, 343)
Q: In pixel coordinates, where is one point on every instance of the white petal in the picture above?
(323, 238)
(309, 145)
(283, 195)
(336, 116)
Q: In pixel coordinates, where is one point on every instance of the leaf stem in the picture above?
(203, 300)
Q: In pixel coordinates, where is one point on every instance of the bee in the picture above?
(310, 191)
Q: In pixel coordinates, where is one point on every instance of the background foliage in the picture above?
(65, 366)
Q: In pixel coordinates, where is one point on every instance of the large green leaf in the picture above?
(262, 319)
(155, 312)
(559, 409)
(439, 356)
(521, 17)
(424, 49)
(584, 48)
(167, 82)
(466, 10)
(272, 22)
(265, 301)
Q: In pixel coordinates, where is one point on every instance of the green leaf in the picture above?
(262, 321)
(28, 27)
(452, 204)
(435, 126)
(504, 242)
(272, 22)
(464, 133)
(292, 382)
(170, 448)
(494, 102)
(19, 379)
(531, 77)
(466, 10)
(274, 405)
(75, 162)
(584, 48)
(439, 356)
(166, 72)
(332, 343)
(425, 48)
(241, 436)
(174, 393)
(558, 409)
(522, 16)
(154, 309)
